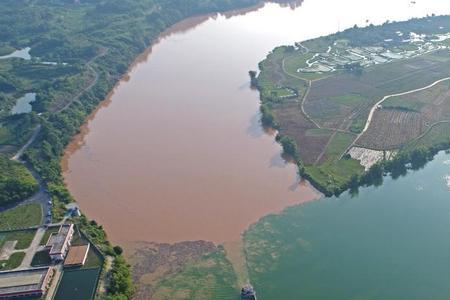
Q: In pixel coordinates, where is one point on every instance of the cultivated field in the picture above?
(391, 128)
(432, 103)
(338, 85)
(405, 118)
(274, 80)
(344, 100)
(310, 140)
(436, 136)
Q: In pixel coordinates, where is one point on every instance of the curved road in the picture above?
(33, 137)
(91, 84)
(42, 196)
(374, 108)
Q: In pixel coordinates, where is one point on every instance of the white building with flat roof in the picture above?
(59, 242)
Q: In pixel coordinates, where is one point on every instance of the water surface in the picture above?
(390, 242)
(23, 104)
(177, 151)
(21, 53)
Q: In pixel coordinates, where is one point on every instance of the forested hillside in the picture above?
(78, 50)
(16, 182)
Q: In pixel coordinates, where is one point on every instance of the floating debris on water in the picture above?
(248, 293)
(447, 179)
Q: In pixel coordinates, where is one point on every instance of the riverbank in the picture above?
(227, 195)
(60, 119)
(209, 124)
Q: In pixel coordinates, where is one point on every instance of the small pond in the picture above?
(23, 104)
(22, 53)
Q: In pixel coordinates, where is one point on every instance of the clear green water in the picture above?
(390, 242)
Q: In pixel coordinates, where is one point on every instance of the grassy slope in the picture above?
(22, 216)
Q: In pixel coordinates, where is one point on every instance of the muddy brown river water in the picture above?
(177, 151)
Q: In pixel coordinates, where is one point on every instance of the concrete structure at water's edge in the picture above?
(25, 283)
(59, 242)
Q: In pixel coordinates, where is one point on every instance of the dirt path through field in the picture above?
(376, 105)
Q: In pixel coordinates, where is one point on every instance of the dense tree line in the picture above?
(75, 32)
(389, 32)
(120, 286)
(16, 182)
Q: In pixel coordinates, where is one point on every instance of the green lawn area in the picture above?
(338, 145)
(293, 62)
(358, 125)
(335, 174)
(318, 132)
(93, 260)
(47, 233)
(404, 102)
(22, 216)
(408, 47)
(272, 80)
(281, 92)
(13, 262)
(297, 60)
(312, 76)
(78, 240)
(23, 238)
(348, 100)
